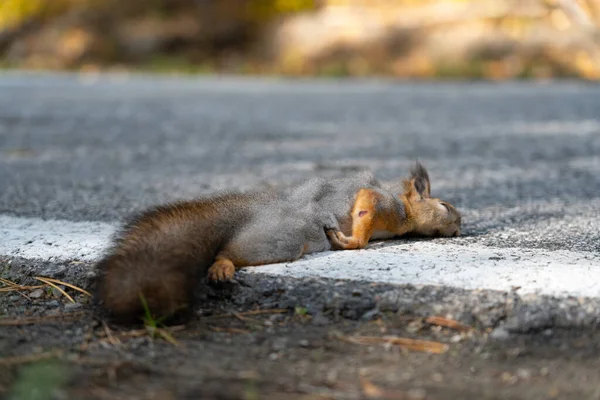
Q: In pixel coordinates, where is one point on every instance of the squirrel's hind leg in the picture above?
(221, 270)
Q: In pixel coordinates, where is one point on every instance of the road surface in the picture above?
(520, 160)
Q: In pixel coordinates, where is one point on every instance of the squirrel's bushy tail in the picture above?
(160, 256)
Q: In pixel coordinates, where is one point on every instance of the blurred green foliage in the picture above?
(496, 39)
(15, 12)
(39, 381)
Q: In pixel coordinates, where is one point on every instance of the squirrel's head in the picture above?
(429, 216)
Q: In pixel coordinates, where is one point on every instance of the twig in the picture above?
(111, 339)
(369, 389)
(37, 320)
(406, 343)
(372, 391)
(29, 358)
(447, 323)
(228, 330)
(253, 312)
(142, 332)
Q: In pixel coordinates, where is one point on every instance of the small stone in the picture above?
(36, 294)
(319, 320)
(415, 326)
(279, 344)
(406, 376)
(500, 334)
(456, 339)
(304, 343)
(524, 373)
(416, 394)
(72, 306)
(507, 377)
(369, 315)
(52, 304)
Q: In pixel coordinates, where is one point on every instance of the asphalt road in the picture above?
(520, 160)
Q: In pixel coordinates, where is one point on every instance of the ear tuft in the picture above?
(420, 178)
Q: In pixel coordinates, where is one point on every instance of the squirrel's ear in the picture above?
(418, 185)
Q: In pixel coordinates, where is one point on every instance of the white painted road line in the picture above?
(423, 262)
(559, 273)
(53, 240)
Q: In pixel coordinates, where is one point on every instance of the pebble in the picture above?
(319, 320)
(524, 373)
(52, 304)
(456, 339)
(72, 306)
(500, 334)
(417, 394)
(36, 294)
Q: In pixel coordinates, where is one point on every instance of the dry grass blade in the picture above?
(167, 336)
(269, 311)
(244, 318)
(369, 389)
(29, 358)
(111, 339)
(7, 282)
(39, 320)
(253, 312)
(140, 332)
(228, 330)
(66, 284)
(12, 286)
(406, 343)
(447, 323)
(372, 391)
(56, 287)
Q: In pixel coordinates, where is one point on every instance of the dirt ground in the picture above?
(268, 342)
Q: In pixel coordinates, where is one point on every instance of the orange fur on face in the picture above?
(423, 215)
(429, 216)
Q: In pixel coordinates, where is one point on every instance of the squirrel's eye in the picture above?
(445, 206)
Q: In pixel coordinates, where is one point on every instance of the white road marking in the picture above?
(432, 262)
(53, 240)
(559, 273)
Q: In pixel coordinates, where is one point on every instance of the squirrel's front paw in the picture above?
(339, 240)
(221, 270)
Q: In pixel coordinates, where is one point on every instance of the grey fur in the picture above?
(301, 215)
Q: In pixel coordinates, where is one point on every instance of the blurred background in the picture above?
(491, 39)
